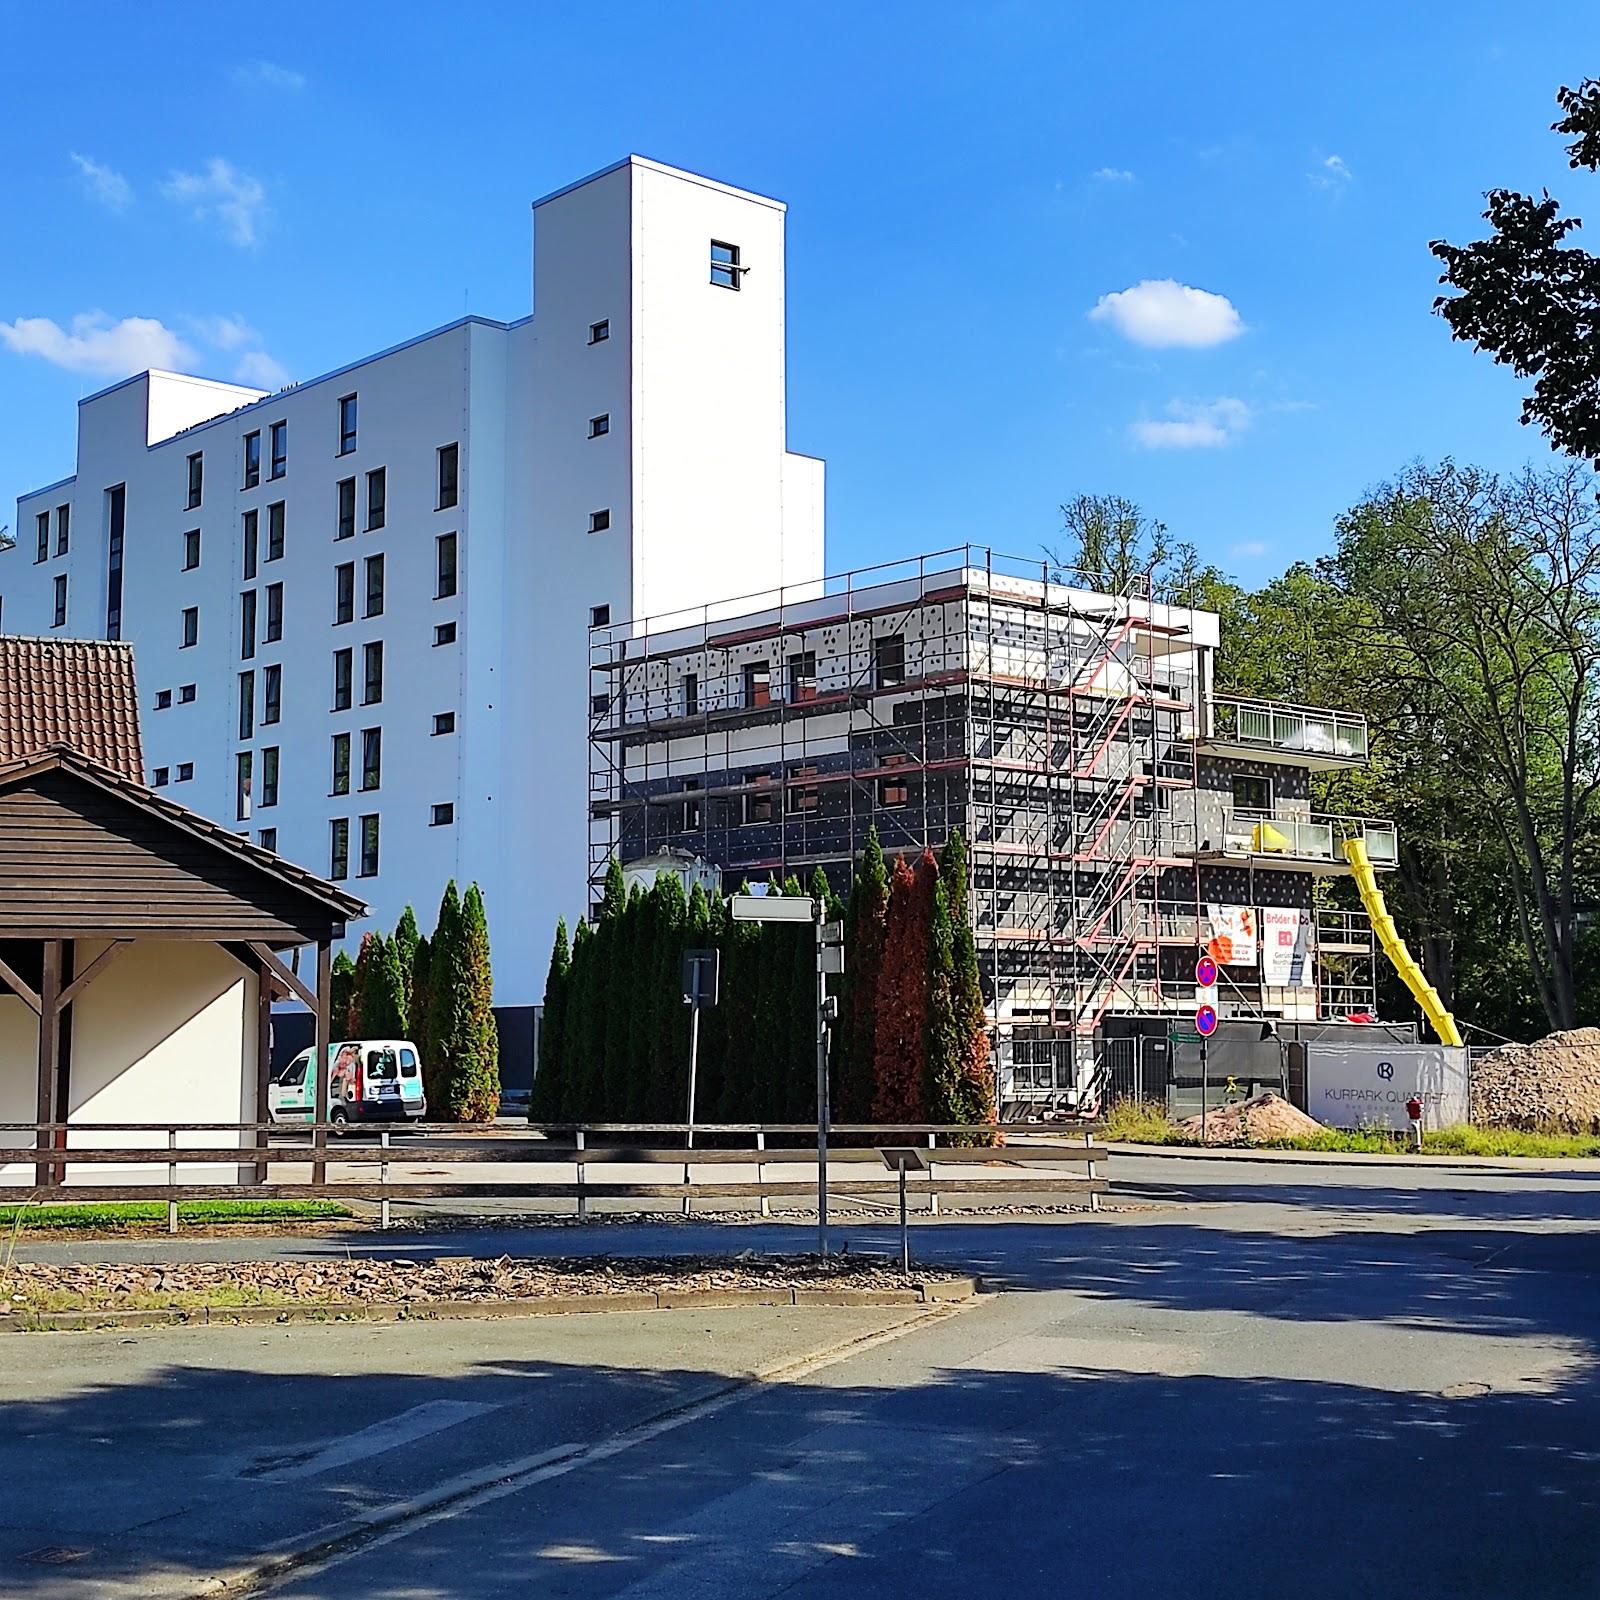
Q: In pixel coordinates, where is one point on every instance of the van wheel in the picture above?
(340, 1118)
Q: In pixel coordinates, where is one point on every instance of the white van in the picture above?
(369, 1080)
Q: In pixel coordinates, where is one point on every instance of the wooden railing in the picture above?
(1027, 1161)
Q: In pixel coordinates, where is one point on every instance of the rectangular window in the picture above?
(252, 460)
(803, 676)
(269, 776)
(268, 839)
(341, 680)
(725, 269)
(347, 424)
(691, 808)
(197, 480)
(443, 816)
(599, 521)
(275, 531)
(185, 771)
(444, 561)
(186, 692)
(164, 700)
(757, 683)
(889, 660)
(341, 763)
(369, 847)
(191, 626)
(599, 616)
(251, 543)
(247, 705)
(247, 625)
(372, 673)
(444, 633)
(373, 606)
(444, 722)
(377, 493)
(1252, 794)
(600, 426)
(280, 449)
(759, 806)
(893, 791)
(449, 465)
(241, 785)
(191, 550)
(63, 529)
(599, 332)
(158, 778)
(371, 757)
(344, 592)
(116, 524)
(347, 509)
(691, 694)
(271, 695)
(42, 527)
(804, 795)
(339, 848)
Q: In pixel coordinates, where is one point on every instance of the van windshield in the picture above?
(383, 1066)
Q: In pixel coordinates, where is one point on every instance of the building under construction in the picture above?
(1122, 815)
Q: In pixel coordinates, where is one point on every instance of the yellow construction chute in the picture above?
(1411, 975)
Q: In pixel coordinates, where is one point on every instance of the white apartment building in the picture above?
(359, 606)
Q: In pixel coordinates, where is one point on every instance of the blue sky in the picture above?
(976, 196)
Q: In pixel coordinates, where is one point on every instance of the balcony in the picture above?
(1301, 736)
(1297, 842)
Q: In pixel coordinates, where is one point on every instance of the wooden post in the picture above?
(319, 1063)
(263, 1024)
(49, 1056)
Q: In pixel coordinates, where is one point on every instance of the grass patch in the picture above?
(1140, 1122)
(114, 1216)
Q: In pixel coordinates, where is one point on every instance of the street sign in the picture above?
(1205, 973)
(1182, 1037)
(701, 971)
(1205, 1021)
(831, 933)
(770, 908)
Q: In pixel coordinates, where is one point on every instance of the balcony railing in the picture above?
(1297, 837)
(1288, 730)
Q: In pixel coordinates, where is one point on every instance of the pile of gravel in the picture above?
(1255, 1121)
(1551, 1083)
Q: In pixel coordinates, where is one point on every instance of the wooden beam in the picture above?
(49, 1053)
(320, 1008)
(263, 1026)
(93, 971)
(26, 995)
(284, 974)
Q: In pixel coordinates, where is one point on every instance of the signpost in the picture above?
(904, 1159)
(830, 958)
(702, 970)
(1205, 1024)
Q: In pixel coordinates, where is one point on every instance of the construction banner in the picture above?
(1284, 941)
(1233, 940)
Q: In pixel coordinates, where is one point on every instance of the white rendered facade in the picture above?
(687, 479)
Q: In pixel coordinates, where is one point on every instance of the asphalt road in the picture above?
(1262, 1380)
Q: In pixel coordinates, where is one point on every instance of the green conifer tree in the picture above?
(381, 990)
(361, 979)
(438, 1064)
(474, 1094)
(866, 922)
(406, 938)
(577, 1028)
(707, 932)
(545, 1103)
(341, 986)
(667, 1100)
(741, 969)
(945, 1058)
(421, 988)
(643, 909)
(975, 1091)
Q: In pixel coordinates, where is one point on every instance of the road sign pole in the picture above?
(820, 912)
(1204, 1085)
(694, 1062)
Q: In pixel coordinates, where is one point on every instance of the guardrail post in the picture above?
(583, 1204)
(383, 1178)
(761, 1144)
(1094, 1198)
(172, 1182)
(933, 1194)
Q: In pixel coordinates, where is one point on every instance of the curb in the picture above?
(938, 1293)
(1361, 1158)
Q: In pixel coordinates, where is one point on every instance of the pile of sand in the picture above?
(1267, 1116)
(1551, 1083)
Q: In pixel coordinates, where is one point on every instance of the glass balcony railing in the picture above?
(1298, 837)
(1335, 736)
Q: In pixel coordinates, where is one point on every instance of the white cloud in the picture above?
(226, 333)
(1250, 548)
(259, 370)
(103, 183)
(233, 198)
(94, 343)
(1332, 173)
(1112, 175)
(269, 75)
(1161, 313)
(1194, 426)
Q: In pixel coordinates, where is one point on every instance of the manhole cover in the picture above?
(1464, 1391)
(55, 1555)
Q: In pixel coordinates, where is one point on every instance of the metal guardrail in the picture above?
(579, 1146)
(1301, 837)
(1294, 730)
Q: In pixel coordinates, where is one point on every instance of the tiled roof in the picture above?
(76, 692)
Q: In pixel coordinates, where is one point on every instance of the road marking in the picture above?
(390, 1434)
